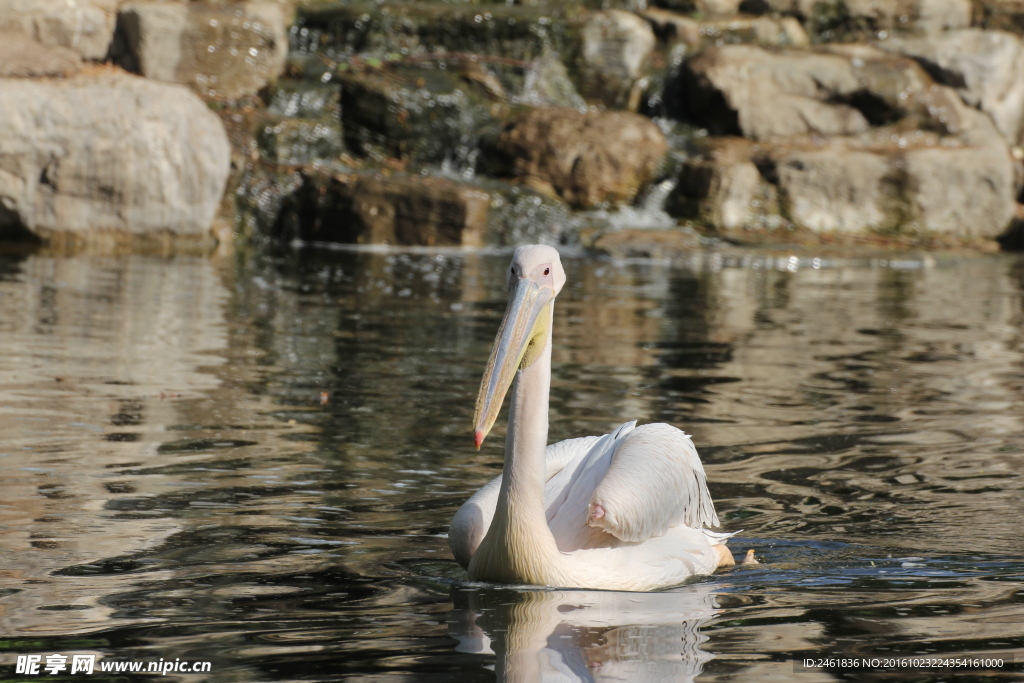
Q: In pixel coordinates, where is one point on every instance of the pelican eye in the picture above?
(547, 270)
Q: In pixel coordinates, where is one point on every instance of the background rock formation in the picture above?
(759, 120)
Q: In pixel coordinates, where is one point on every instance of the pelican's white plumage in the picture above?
(624, 511)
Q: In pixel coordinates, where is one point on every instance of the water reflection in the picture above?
(93, 351)
(540, 635)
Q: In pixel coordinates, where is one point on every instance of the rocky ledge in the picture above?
(434, 123)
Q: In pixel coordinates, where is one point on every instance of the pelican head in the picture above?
(534, 280)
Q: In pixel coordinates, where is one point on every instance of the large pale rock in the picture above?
(836, 190)
(22, 57)
(108, 152)
(953, 176)
(615, 48)
(966, 192)
(762, 95)
(848, 187)
(588, 158)
(404, 210)
(219, 51)
(985, 67)
(839, 90)
(84, 26)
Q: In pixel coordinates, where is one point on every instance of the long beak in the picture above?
(525, 320)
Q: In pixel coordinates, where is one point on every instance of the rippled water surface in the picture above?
(254, 464)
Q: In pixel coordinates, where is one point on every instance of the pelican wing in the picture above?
(655, 481)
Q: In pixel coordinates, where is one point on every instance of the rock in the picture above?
(836, 91)
(301, 124)
(588, 159)
(520, 215)
(697, 34)
(513, 32)
(724, 187)
(739, 89)
(218, 51)
(22, 57)
(108, 152)
(965, 192)
(300, 141)
(832, 20)
(417, 115)
(721, 8)
(1005, 15)
(644, 243)
(1013, 238)
(837, 190)
(616, 47)
(83, 26)
(400, 210)
(850, 186)
(985, 67)
(547, 84)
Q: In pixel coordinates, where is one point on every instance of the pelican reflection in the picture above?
(577, 635)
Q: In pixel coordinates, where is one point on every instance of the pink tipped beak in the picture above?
(478, 438)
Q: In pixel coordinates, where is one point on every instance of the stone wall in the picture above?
(768, 120)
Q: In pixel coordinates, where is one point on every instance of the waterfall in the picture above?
(647, 214)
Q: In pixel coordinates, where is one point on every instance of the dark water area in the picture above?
(253, 464)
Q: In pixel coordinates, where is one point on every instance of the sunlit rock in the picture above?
(739, 89)
(400, 210)
(587, 159)
(985, 67)
(966, 192)
(838, 190)
(22, 57)
(837, 90)
(923, 185)
(83, 26)
(845, 140)
(615, 49)
(218, 51)
(108, 153)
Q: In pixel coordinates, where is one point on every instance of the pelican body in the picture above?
(623, 511)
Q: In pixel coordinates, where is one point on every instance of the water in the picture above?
(253, 464)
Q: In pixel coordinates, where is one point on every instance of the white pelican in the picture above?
(623, 511)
